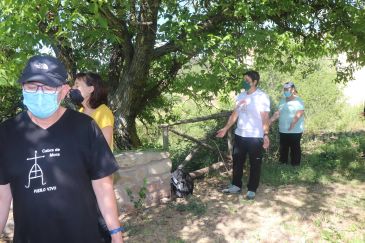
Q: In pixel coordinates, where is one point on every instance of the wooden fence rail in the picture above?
(166, 128)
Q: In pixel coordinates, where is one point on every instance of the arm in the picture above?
(295, 119)
(231, 120)
(266, 127)
(104, 192)
(108, 134)
(274, 117)
(5, 201)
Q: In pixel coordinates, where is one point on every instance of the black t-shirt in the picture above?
(50, 172)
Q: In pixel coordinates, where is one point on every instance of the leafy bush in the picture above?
(11, 101)
(362, 144)
(325, 107)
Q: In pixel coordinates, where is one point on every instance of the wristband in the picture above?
(114, 231)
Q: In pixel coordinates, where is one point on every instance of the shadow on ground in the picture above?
(285, 213)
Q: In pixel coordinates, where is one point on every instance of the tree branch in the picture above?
(61, 46)
(119, 27)
(147, 26)
(169, 47)
(156, 90)
(205, 26)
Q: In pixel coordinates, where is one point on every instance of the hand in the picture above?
(266, 143)
(242, 102)
(117, 238)
(221, 133)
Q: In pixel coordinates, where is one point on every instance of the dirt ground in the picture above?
(292, 213)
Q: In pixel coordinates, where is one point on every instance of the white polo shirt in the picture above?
(249, 106)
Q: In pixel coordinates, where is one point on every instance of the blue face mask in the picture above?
(246, 85)
(41, 105)
(287, 94)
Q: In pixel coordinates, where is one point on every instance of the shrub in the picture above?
(11, 101)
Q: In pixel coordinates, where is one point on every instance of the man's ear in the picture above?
(64, 91)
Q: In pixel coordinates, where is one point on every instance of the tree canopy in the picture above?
(147, 48)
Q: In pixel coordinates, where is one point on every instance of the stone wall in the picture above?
(135, 167)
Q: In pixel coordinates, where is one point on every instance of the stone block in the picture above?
(153, 179)
(136, 175)
(155, 167)
(121, 195)
(154, 186)
(159, 167)
(152, 199)
(166, 176)
(165, 192)
(129, 159)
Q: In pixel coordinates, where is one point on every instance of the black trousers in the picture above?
(242, 147)
(290, 141)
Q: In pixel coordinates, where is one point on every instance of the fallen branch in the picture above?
(202, 172)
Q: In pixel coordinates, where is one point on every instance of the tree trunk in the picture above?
(128, 98)
(126, 102)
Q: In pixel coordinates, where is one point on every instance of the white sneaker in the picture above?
(232, 189)
(250, 195)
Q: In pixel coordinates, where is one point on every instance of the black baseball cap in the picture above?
(44, 69)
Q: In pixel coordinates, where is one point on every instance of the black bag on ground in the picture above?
(181, 183)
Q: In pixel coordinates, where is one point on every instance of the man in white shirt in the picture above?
(251, 135)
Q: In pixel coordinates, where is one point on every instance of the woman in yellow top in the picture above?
(89, 92)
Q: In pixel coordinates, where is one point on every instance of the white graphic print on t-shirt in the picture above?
(36, 171)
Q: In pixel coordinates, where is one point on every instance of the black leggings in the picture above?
(242, 147)
(290, 141)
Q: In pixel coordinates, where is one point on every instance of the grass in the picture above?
(192, 205)
(333, 160)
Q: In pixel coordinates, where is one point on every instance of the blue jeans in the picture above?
(242, 147)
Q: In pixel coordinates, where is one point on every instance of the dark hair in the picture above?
(100, 94)
(253, 75)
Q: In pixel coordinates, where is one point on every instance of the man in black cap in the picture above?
(55, 165)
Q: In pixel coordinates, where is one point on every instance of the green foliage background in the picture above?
(10, 101)
(326, 111)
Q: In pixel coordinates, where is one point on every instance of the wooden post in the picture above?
(165, 136)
